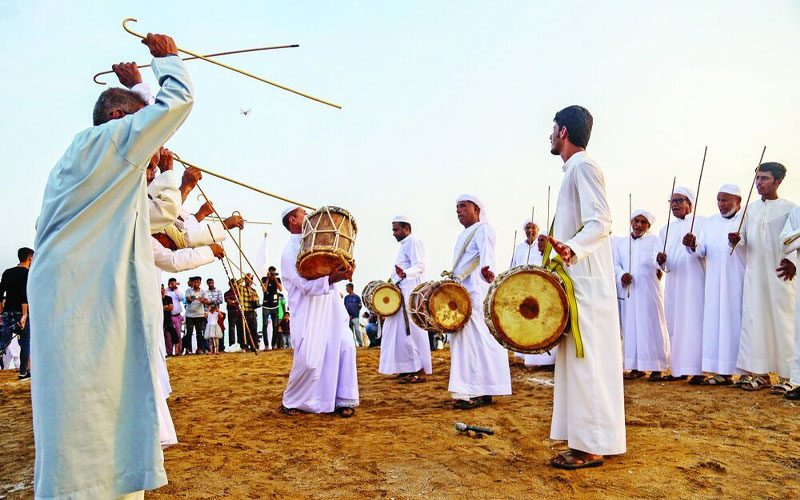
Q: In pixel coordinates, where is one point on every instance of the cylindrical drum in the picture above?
(440, 306)
(526, 309)
(382, 298)
(329, 234)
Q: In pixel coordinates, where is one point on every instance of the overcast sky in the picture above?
(439, 98)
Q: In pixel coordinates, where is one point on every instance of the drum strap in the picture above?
(403, 306)
(471, 266)
(556, 264)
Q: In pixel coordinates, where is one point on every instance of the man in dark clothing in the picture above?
(235, 327)
(14, 308)
(272, 285)
(352, 303)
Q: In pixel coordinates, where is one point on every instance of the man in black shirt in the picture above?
(14, 308)
(273, 285)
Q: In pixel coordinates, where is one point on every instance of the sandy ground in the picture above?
(683, 441)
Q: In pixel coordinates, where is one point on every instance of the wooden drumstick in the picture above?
(513, 250)
(747, 203)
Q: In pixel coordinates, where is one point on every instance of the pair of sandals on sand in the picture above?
(412, 378)
(342, 411)
(654, 376)
(472, 403)
(757, 383)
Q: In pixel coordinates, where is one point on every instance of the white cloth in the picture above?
(180, 260)
(483, 216)
(478, 363)
(164, 200)
(521, 257)
(684, 289)
(402, 218)
(688, 193)
(94, 417)
(588, 403)
(647, 215)
(792, 230)
(768, 302)
(11, 357)
(323, 375)
(403, 352)
(722, 303)
(213, 330)
(644, 326)
(731, 189)
(199, 236)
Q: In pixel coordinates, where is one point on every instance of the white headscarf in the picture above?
(401, 218)
(647, 215)
(731, 189)
(688, 193)
(528, 221)
(288, 210)
(483, 216)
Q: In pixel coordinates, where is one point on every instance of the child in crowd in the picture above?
(213, 331)
(285, 330)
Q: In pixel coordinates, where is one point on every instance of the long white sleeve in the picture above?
(180, 260)
(164, 201)
(199, 236)
(416, 254)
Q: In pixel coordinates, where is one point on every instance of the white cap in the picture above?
(731, 189)
(288, 210)
(644, 213)
(483, 216)
(688, 193)
(401, 218)
(528, 221)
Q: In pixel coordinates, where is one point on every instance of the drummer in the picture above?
(323, 378)
(530, 252)
(405, 348)
(478, 364)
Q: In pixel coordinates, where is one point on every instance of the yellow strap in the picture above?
(556, 264)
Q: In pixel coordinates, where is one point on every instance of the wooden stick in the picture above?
(630, 238)
(697, 193)
(513, 250)
(669, 214)
(528, 258)
(547, 222)
(744, 212)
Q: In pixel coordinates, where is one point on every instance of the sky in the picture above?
(439, 98)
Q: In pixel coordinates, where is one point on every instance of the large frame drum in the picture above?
(440, 306)
(329, 234)
(526, 309)
(382, 298)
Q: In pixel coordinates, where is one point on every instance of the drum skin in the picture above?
(327, 243)
(382, 298)
(526, 309)
(440, 306)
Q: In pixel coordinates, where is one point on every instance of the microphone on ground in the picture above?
(462, 427)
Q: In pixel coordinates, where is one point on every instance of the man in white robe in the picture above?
(768, 301)
(323, 378)
(644, 326)
(94, 418)
(479, 366)
(405, 348)
(790, 239)
(588, 402)
(722, 303)
(526, 253)
(684, 289)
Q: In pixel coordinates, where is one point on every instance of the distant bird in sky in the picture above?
(245, 112)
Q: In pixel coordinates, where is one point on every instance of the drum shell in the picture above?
(526, 309)
(327, 242)
(388, 306)
(441, 306)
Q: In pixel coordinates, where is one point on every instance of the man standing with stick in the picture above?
(588, 402)
(768, 301)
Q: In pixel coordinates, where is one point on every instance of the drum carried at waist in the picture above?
(382, 298)
(329, 234)
(526, 309)
(440, 306)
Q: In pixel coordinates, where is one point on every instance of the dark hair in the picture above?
(171, 280)
(271, 268)
(777, 170)
(349, 285)
(578, 121)
(23, 253)
(116, 98)
(209, 279)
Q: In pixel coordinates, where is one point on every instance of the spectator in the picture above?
(14, 308)
(213, 331)
(272, 285)
(352, 303)
(248, 298)
(372, 329)
(196, 299)
(285, 330)
(171, 336)
(235, 327)
(215, 297)
(175, 316)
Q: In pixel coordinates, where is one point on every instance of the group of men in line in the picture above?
(728, 302)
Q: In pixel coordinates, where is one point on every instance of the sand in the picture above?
(683, 441)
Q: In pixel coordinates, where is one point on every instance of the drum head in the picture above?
(418, 306)
(386, 299)
(450, 306)
(528, 310)
(318, 264)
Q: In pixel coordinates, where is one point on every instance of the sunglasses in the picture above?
(677, 201)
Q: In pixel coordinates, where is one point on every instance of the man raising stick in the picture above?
(588, 405)
(94, 417)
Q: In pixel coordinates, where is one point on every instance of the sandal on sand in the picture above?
(655, 377)
(673, 378)
(697, 380)
(756, 384)
(345, 411)
(413, 379)
(570, 460)
(717, 380)
(781, 388)
(292, 412)
(467, 404)
(743, 380)
(793, 395)
(633, 374)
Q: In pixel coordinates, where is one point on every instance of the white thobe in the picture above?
(164, 200)
(644, 326)
(684, 289)
(94, 417)
(722, 303)
(478, 363)
(406, 351)
(792, 230)
(323, 375)
(588, 404)
(522, 256)
(768, 302)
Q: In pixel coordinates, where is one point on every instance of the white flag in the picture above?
(262, 257)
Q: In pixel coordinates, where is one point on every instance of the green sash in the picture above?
(557, 266)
